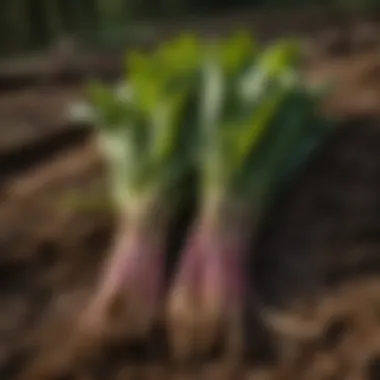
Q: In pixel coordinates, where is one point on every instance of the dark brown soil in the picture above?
(317, 263)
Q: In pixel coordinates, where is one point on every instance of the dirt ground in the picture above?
(317, 262)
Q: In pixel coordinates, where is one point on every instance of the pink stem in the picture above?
(135, 265)
(214, 260)
(225, 267)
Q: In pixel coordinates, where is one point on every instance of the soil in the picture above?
(317, 263)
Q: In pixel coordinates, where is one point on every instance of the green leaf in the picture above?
(236, 51)
(166, 123)
(254, 128)
(251, 120)
(180, 55)
(112, 111)
(280, 57)
(297, 131)
(136, 62)
(257, 120)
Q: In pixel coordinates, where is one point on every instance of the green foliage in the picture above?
(259, 124)
(240, 113)
(141, 123)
